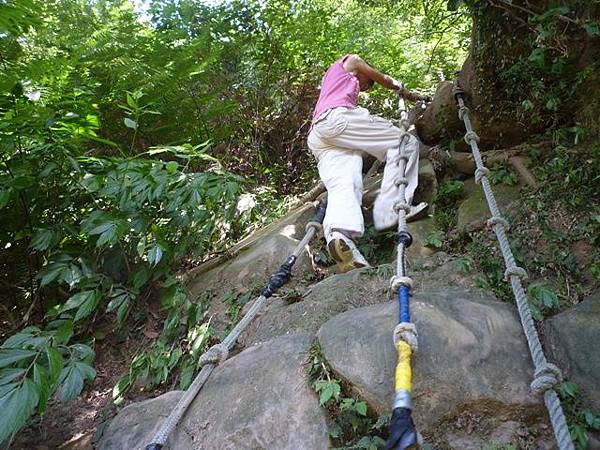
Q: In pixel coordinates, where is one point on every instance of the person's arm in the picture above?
(355, 64)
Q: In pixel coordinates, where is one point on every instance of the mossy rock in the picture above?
(473, 211)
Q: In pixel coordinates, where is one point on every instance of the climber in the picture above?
(341, 131)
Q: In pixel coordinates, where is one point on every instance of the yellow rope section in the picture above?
(403, 368)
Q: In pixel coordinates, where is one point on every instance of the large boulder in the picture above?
(137, 423)
(258, 399)
(472, 357)
(572, 339)
(355, 289)
(440, 119)
(254, 260)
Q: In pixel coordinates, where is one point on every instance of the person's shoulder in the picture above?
(352, 61)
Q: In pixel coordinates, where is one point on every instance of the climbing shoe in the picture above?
(343, 250)
(417, 212)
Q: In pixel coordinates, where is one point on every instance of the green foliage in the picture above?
(580, 419)
(351, 426)
(34, 364)
(501, 173)
(445, 203)
(435, 239)
(542, 300)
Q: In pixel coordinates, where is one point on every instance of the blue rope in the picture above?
(403, 302)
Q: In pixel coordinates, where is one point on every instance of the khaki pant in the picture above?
(336, 140)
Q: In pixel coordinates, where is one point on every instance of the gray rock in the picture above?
(473, 212)
(427, 187)
(572, 340)
(258, 399)
(420, 230)
(333, 295)
(137, 423)
(259, 256)
(440, 118)
(472, 356)
(355, 289)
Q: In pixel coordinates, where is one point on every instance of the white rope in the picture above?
(547, 376)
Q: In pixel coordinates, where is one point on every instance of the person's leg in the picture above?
(341, 173)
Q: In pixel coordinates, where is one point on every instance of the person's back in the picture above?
(338, 88)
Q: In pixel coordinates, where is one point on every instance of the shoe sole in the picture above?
(342, 253)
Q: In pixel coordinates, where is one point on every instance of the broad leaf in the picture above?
(21, 401)
(10, 356)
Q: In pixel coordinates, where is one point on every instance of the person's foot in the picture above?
(417, 212)
(343, 250)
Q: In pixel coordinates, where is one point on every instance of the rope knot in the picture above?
(462, 111)
(407, 332)
(217, 354)
(471, 136)
(397, 281)
(480, 173)
(547, 377)
(398, 206)
(517, 272)
(498, 220)
(316, 225)
(401, 180)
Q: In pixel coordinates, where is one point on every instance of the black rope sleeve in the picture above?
(280, 277)
(403, 434)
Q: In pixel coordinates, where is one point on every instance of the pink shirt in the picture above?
(338, 88)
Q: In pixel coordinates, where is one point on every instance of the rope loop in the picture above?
(217, 354)
(515, 271)
(407, 332)
(471, 136)
(480, 173)
(316, 225)
(498, 220)
(547, 377)
(397, 281)
(401, 181)
(398, 206)
(462, 111)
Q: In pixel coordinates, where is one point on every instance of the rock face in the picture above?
(572, 338)
(136, 424)
(472, 356)
(427, 187)
(258, 256)
(440, 118)
(473, 212)
(420, 230)
(355, 289)
(259, 399)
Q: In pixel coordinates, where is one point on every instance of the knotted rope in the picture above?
(217, 354)
(547, 376)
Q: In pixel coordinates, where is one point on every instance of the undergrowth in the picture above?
(351, 424)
